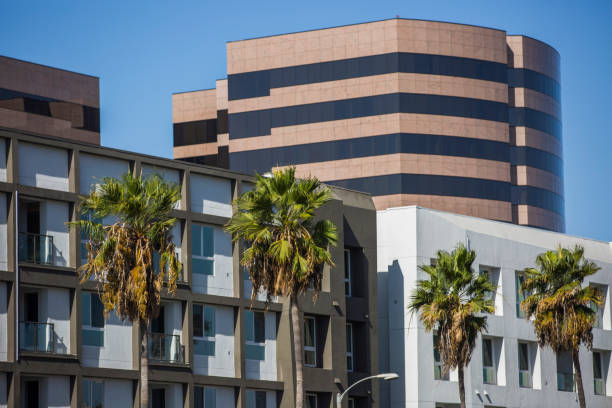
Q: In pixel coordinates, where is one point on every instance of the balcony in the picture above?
(166, 348)
(37, 337)
(35, 248)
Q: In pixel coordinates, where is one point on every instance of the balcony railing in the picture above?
(166, 347)
(565, 381)
(35, 336)
(36, 248)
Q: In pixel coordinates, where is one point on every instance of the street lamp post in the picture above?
(384, 376)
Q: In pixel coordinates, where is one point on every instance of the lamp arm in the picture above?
(340, 396)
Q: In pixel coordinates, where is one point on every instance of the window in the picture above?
(310, 336)
(438, 370)
(202, 249)
(255, 399)
(488, 362)
(92, 320)
(347, 272)
(524, 365)
(205, 397)
(352, 403)
(204, 330)
(492, 275)
(85, 236)
(520, 294)
(598, 374)
(349, 347)
(255, 328)
(565, 372)
(310, 400)
(93, 394)
(599, 309)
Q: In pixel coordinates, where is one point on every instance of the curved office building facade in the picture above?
(446, 116)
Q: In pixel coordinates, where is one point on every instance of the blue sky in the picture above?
(145, 51)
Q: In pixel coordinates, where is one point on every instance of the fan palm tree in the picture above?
(452, 302)
(561, 307)
(122, 257)
(285, 248)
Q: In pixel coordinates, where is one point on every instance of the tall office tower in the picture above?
(49, 101)
(447, 116)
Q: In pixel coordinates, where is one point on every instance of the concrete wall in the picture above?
(118, 394)
(43, 166)
(54, 391)
(94, 168)
(117, 349)
(222, 363)
(211, 195)
(266, 369)
(222, 282)
(3, 323)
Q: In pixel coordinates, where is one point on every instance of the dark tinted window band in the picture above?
(209, 160)
(538, 197)
(528, 156)
(264, 159)
(526, 78)
(199, 131)
(258, 83)
(257, 123)
(535, 119)
(80, 116)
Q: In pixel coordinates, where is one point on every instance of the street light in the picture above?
(384, 376)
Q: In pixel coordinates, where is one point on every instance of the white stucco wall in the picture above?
(54, 391)
(3, 231)
(266, 369)
(53, 216)
(410, 236)
(94, 168)
(117, 350)
(118, 394)
(211, 195)
(222, 282)
(3, 323)
(43, 166)
(222, 363)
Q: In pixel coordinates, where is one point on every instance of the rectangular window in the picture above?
(524, 365)
(438, 371)
(202, 249)
(93, 394)
(204, 330)
(255, 335)
(85, 236)
(92, 319)
(599, 381)
(352, 403)
(520, 294)
(599, 309)
(310, 344)
(347, 272)
(488, 362)
(205, 397)
(565, 372)
(349, 347)
(311, 400)
(255, 399)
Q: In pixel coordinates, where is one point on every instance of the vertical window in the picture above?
(255, 335)
(349, 347)
(204, 330)
(311, 400)
(310, 347)
(351, 403)
(205, 397)
(202, 249)
(438, 371)
(599, 309)
(524, 365)
(92, 319)
(93, 394)
(599, 382)
(488, 362)
(255, 399)
(520, 294)
(347, 272)
(565, 372)
(85, 236)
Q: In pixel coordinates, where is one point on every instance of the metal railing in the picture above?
(166, 347)
(36, 336)
(36, 248)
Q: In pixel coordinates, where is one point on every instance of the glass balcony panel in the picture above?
(35, 336)
(166, 347)
(35, 248)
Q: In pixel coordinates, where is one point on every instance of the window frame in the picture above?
(565, 373)
(90, 383)
(349, 354)
(89, 327)
(316, 399)
(529, 369)
(348, 273)
(204, 391)
(313, 348)
(252, 343)
(204, 338)
(519, 277)
(438, 366)
(199, 256)
(490, 341)
(255, 393)
(602, 378)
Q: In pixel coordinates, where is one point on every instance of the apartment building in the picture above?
(447, 116)
(507, 369)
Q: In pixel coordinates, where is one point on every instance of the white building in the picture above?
(507, 369)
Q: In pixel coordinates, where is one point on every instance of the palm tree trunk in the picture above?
(298, 352)
(144, 366)
(461, 387)
(579, 384)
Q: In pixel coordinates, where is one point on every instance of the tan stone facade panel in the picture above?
(191, 106)
(454, 126)
(524, 97)
(476, 207)
(46, 126)
(223, 139)
(374, 85)
(221, 88)
(539, 217)
(534, 138)
(525, 52)
(49, 82)
(530, 176)
(202, 149)
(406, 163)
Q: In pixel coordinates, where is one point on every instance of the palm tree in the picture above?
(122, 257)
(452, 302)
(561, 308)
(285, 248)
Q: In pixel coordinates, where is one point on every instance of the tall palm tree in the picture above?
(561, 307)
(452, 302)
(285, 248)
(122, 257)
